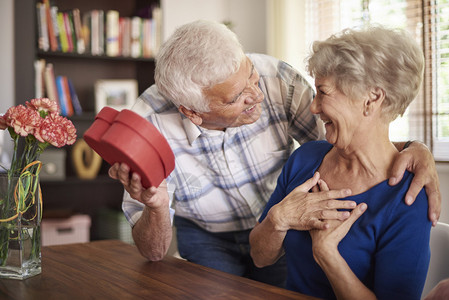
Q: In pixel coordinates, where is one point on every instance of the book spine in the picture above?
(50, 83)
(50, 27)
(60, 91)
(80, 44)
(112, 33)
(68, 31)
(43, 41)
(67, 96)
(62, 32)
(39, 84)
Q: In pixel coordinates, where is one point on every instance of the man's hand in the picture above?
(440, 292)
(418, 160)
(152, 197)
(302, 210)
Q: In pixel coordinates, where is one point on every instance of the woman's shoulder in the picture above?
(306, 158)
(313, 149)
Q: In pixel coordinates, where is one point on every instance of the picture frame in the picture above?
(115, 93)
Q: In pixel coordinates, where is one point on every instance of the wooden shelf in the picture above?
(48, 54)
(74, 195)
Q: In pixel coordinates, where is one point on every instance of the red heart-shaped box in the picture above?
(133, 140)
(93, 135)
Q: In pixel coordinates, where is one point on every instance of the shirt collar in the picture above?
(193, 131)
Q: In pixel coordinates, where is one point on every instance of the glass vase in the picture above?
(20, 232)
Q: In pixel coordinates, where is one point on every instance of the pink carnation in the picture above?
(43, 104)
(56, 130)
(24, 120)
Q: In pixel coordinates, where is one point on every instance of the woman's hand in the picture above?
(329, 238)
(418, 160)
(302, 210)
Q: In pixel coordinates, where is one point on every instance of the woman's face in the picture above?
(341, 115)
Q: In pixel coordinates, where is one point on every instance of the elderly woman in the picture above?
(364, 80)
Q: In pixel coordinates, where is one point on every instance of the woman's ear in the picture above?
(193, 116)
(377, 95)
(375, 98)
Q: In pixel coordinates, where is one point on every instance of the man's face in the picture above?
(236, 101)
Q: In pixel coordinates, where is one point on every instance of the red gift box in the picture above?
(126, 137)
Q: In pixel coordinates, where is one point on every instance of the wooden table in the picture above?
(112, 269)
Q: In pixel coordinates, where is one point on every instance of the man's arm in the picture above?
(152, 233)
(418, 159)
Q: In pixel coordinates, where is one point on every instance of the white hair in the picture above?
(197, 56)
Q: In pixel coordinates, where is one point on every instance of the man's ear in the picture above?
(193, 116)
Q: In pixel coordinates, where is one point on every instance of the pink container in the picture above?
(133, 140)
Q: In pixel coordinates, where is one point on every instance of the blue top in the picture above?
(387, 247)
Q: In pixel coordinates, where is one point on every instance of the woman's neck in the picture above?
(360, 166)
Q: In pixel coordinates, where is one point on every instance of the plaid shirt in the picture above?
(223, 179)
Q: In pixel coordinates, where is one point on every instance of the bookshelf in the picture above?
(74, 195)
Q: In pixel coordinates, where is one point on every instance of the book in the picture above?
(80, 44)
(125, 36)
(95, 32)
(101, 30)
(62, 32)
(112, 33)
(50, 83)
(67, 96)
(50, 28)
(68, 31)
(75, 101)
(39, 84)
(43, 41)
(147, 39)
(86, 31)
(136, 41)
(56, 33)
(61, 96)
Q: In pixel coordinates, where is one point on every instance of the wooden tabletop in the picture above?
(112, 269)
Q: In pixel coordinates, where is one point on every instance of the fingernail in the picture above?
(434, 217)
(353, 204)
(363, 207)
(347, 192)
(408, 200)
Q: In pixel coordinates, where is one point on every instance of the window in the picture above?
(427, 118)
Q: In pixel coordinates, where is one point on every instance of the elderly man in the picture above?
(231, 120)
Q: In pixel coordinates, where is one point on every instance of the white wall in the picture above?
(6, 54)
(6, 74)
(247, 16)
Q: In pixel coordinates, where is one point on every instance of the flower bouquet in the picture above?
(37, 124)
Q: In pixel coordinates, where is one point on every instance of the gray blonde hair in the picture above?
(197, 56)
(368, 58)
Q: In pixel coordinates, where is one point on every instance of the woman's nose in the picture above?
(315, 107)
